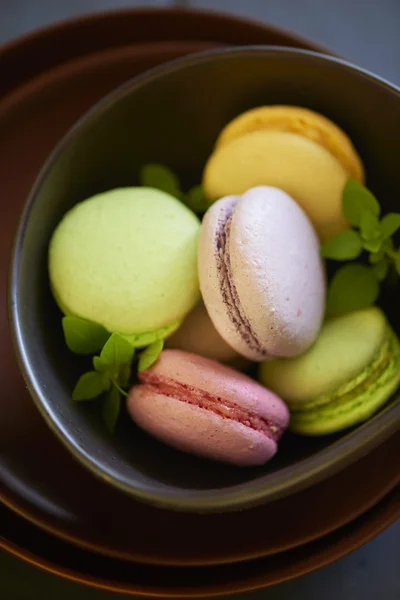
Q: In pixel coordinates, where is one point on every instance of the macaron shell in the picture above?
(198, 335)
(222, 382)
(299, 166)
(198, 431)
(295, 119)
(355, 407)
(209, 275)
(126, 259)
(277, 260)
(345, 347)
(276, 269)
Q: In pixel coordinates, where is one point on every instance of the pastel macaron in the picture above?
(310, 163)
(346, 377)
(261, 275)
(126, 259)
(303, 121)
(198, 335)
(205, 408)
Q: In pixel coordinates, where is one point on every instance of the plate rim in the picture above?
(385, 514)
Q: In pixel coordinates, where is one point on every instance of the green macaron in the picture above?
(343, 379)
(127, 260)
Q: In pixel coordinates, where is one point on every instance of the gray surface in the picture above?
(363, 31)
(366, 32)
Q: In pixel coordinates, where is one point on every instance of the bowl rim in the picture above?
(269, 487)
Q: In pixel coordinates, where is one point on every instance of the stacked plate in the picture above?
(54, 513)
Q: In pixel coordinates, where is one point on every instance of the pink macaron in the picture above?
(202, 407)
(261, 275)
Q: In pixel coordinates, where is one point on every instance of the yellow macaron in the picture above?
(291, 148)
(303, 121)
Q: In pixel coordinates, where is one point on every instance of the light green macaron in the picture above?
(345, 377)
(126, 259)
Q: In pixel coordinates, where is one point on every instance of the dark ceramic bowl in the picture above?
(172, 115)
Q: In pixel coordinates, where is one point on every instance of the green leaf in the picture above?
(397, 262)
(381, 269)
(124, 375)
(141, 340)
(353, 287)
(111, 408)
(160, 177)
(149, 356)
(99, 364)
(370, 226)
(390, 224)
(196, 199)
(355, 200)
(346, 245)
(82, 336)
(89, 386)
(373, 246)
(386, 246)
(117, 351)
(104, 370)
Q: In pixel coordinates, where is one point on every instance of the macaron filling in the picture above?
(228, 289)
(207, 401)
(383, 373)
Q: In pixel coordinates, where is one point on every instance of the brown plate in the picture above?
(59, 558)
(38, 478)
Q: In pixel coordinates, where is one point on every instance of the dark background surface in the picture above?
(367, 33)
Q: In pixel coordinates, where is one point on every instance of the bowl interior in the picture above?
(173, 116)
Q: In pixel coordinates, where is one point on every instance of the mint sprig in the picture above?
(149, 356)
(112, 368)
(353, 287)
(162, 178)
(141, 340)
(357, 286)
(83, 336)
(111, 408)
(89, 386)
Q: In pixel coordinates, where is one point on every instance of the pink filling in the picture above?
(206, 401)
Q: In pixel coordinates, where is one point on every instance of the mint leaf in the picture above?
(111, 408)
(355, 200)
(390, 224)
(83, 336)
(397, 262)
(104, 370)
(149, 356)
(160, 177)
(386, 246)
(117, 351)
(196, 199)
(124, 375)
(353, 287)
(381, 269)
(88, 387)
(373, 246)
(370, 226)
(346, 245)
(99, 364)
(141, 340)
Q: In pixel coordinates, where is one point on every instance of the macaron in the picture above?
(198, 335)
(308, 167)
(261, 275)
(126, 259)
(202, 407)
(348, 375)
(303, 121)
